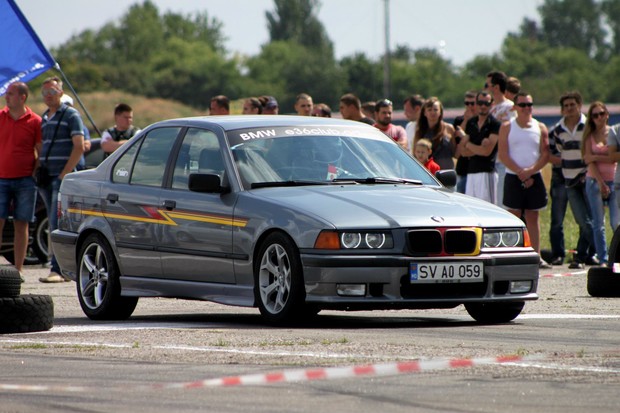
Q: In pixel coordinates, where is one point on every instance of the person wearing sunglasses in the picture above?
(63, 146)
(479, 143)
(524, 149)
(567, 135)
(459, 123)
(600, 175)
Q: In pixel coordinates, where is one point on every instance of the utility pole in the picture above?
(386, 56)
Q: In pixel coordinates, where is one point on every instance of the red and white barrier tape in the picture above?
(564, 274)
(300, 375)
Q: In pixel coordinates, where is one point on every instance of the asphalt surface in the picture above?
(172, 355)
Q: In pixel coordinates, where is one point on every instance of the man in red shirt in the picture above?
(20, 140)
(383, 116)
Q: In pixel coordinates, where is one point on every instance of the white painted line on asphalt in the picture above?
(564, 316)
(125, 326)
(264, 352)
(552, 366)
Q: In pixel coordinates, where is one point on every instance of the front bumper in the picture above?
(387, 285)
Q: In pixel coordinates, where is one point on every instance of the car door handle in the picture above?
(112, 198)
(169, 204)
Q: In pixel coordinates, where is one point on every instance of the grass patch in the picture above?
(327, 342)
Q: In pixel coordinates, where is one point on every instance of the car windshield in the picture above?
(325, 159)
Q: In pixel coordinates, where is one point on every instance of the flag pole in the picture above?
(66, 81)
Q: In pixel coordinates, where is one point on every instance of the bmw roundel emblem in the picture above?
(437, 219)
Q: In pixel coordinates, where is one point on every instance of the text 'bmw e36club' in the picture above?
(288, 214)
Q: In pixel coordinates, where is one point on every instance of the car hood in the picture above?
(381, 206)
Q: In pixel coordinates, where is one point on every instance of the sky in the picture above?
(460, 29)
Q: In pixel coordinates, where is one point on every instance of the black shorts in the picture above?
(519, 198)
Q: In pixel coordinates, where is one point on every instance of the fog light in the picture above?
(520, 287)
(352, 290)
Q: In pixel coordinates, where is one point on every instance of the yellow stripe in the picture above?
(167, 215)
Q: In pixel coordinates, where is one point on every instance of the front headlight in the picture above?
(349, 240)
(504, 238)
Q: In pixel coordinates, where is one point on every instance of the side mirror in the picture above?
(210, 183)
(447, 177)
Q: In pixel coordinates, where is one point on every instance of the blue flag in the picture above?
(22, 55)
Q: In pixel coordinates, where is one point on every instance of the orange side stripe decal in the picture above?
(168, 217)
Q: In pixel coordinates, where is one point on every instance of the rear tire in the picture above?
(494, 313)
(98, 283)
(26, 314)
(603, 282)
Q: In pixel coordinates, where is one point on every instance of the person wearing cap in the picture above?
(270, 105)
(20, 140)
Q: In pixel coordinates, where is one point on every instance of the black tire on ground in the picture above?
(494, 313)
(10, 282)
(602, 282)
(26, 314)
(98, 283)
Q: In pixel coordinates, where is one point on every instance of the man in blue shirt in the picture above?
(63, 146)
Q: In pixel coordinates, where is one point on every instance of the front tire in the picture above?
(279, 285)
(494, 313)
(98, 283)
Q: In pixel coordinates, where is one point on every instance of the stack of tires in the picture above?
(22, 313)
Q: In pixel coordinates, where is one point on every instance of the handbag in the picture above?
(43, 177)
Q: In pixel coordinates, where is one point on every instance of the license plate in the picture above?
(453, 272)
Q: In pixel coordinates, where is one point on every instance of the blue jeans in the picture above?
(22, 193)
(49, 194)
(559, 202)
(577, 199)
(597, 208)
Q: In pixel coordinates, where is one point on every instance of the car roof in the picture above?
(233, 122)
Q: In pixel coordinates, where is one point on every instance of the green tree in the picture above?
(297, 21)
(611, 8)
(362, 76)
(120, 55)
(289, 69)
(575, 24)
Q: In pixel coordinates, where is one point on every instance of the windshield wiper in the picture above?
(379, 180)
(286, 183)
